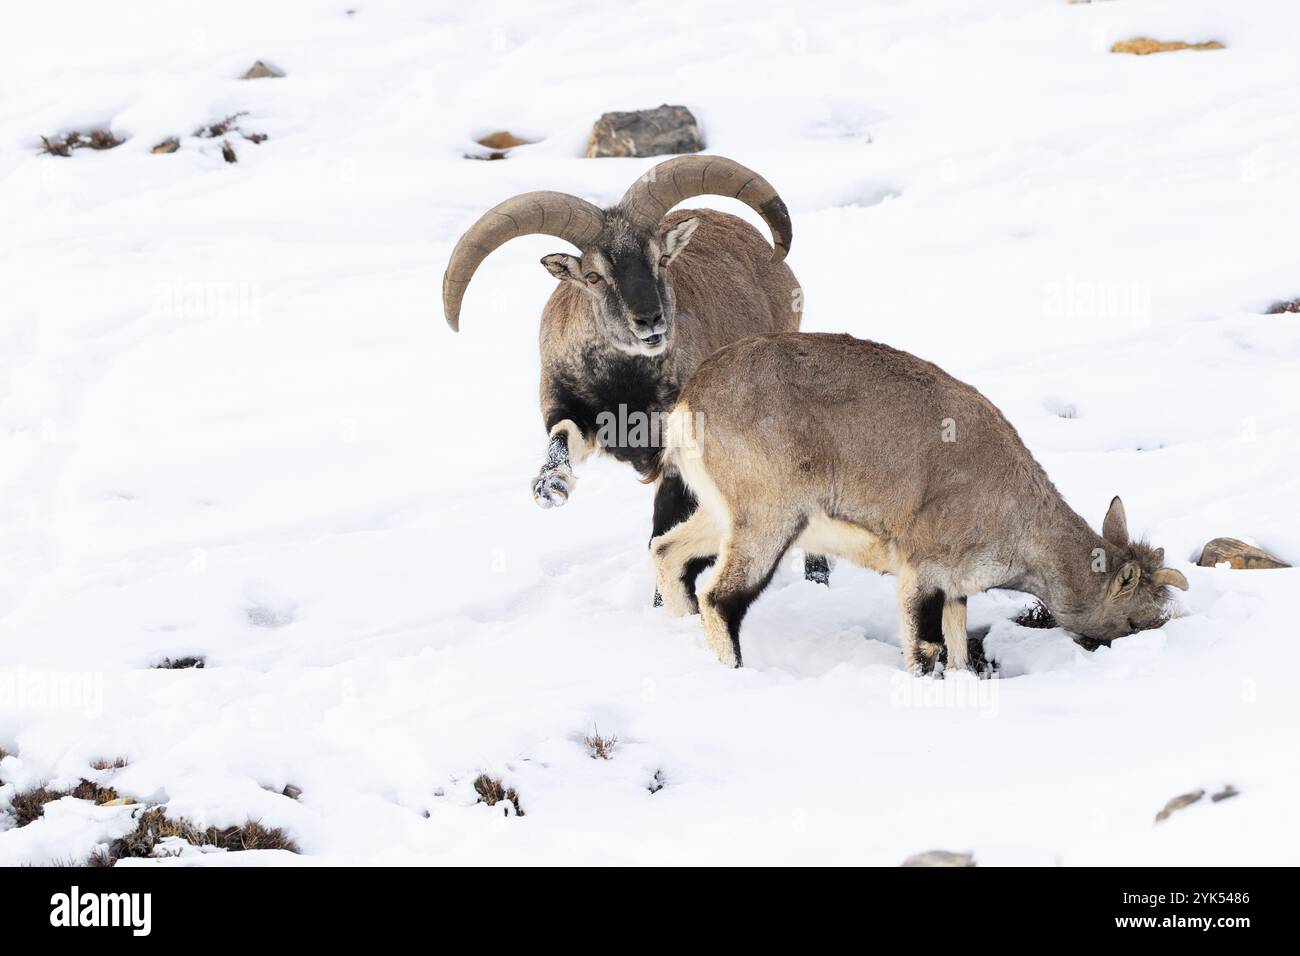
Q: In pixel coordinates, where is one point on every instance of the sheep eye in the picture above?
(593, 277)
(663, 261)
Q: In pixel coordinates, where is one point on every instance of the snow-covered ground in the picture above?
(234, 424)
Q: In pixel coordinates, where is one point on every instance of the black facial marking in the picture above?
(637, 284)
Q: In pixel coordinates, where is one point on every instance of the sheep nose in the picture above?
(647, 327)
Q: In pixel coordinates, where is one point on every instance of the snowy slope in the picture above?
(234, 424)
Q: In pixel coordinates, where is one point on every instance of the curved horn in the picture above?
(540, 213)
(651, 196)
(1170, 578)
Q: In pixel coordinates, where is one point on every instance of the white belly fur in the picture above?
(831, 536)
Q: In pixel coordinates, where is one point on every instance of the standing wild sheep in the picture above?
(652, 294)
(852, 448)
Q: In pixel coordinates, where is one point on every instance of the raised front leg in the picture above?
(556, 481)
(674, 504)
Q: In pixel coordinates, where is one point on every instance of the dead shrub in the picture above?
(221, 127)
(491, 791)
(600, 747)
(657, 782)
(93, 139)
(153, 826)
(180, 663)
(29, 806)
(1036, 615)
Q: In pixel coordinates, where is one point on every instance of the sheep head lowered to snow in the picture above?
(648, 296)
(850, 447)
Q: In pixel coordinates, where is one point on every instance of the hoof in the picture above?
(551, 489)
(817, 569)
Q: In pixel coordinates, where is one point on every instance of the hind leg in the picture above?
(954, 634)
(679, 554)
(674, 504)
(747, 560)
(920, 629)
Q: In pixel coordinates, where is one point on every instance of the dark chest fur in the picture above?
(618, 400)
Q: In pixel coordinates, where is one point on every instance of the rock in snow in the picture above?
(1237, 554)
(939, 858)
(262, 70)
(662, 131)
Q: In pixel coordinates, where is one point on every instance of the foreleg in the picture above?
(556, 480)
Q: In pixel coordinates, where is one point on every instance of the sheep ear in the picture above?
(1171, 578)
(563, 266)
(1125, 579)
(676, 238)
(1115, 528)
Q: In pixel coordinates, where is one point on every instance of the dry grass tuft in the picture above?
(29, 806)
(491, 791)
(116, 763)
(153, 826)
(169, 145)
(1143, 46)
(93, 792)
(221, 127)
(1283, 308)
(180, 663)
(1036, 615)
(600, 747)
(94, 139)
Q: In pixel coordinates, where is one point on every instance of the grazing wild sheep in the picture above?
(652, 294)
(851, 448)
